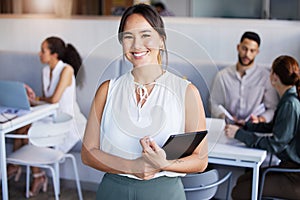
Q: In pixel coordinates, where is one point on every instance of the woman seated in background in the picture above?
(285, 140)
(59, 86)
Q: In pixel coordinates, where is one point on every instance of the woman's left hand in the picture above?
(230, 130)
(153, 154)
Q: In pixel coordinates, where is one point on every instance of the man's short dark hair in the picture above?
(251, 36)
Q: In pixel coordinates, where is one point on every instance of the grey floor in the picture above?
(68, 191)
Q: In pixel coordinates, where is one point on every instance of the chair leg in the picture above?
(56, 167)
(27, 180)
(228, 188)
(54, 183)
(76, 176)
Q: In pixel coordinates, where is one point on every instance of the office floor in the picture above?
(68, 191)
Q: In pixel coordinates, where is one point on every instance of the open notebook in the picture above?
(13, 100)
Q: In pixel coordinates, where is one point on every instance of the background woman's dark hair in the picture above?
(152, 17)
(67, 53)
(287, 68)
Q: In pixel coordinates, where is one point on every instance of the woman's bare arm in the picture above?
(195, 121)
(94, 157)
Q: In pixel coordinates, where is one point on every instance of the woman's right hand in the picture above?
(154, 154)
(30, 93)
(230, 130)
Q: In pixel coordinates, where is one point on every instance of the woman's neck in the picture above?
(282, 89)
(52, 64)
(148, 74)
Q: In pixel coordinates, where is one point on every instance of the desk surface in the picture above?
(219, 146)
(225, 151)
(36, 113)
(39, 111)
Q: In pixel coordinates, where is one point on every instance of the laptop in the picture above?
(13, 98)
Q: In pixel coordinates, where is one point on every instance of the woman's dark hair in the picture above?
(152, 17)
(287, 69)
(66, 53)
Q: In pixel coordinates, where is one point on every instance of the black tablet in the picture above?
(181, 145)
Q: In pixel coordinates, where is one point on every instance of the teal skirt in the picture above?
(116, 187)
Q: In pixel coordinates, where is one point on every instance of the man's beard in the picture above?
(243, 64)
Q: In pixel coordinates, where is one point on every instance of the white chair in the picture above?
(41, 152)
(201, 186)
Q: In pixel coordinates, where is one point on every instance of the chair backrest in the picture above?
(196, 185)
(50, 133)
(277, 170)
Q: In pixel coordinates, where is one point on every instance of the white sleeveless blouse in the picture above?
(67, 104)
(124, 123)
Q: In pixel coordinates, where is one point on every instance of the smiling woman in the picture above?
(137, 112)
(141, 45)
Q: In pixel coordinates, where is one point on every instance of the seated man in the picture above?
(243, 87)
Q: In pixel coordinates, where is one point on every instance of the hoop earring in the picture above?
(159, 60)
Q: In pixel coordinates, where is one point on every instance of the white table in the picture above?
(230, 152)
(36, 113)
